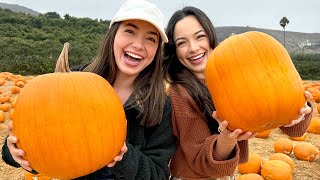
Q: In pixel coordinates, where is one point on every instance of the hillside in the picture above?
(17, 8)
(31, 44)
(294, 40)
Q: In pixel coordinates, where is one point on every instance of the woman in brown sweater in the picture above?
(202, 152)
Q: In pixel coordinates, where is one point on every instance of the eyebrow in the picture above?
(201, 30)
(136, 27)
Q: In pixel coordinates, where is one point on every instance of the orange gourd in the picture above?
(253, 82)
(4, 99)
(69, 124)
(283, 145)
(15, 89)
(5, 107)
(20, 84)
(301, 138)
(282, 157)
(2, 116)
(263, 134)
(30, 176)
(252, 166)
(250, 176)
(11, 114)
(2, 81)
(314, 126)
(276, 170)
(306, 151)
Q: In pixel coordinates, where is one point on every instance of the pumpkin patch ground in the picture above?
(303, 170)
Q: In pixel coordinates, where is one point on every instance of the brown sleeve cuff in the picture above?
(244, 151)
(225, 167)
(299, 129)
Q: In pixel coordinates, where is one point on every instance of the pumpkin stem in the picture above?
(62, 64)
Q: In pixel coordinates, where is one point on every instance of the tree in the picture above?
(284, 22)
(67, 17)
(52, 15)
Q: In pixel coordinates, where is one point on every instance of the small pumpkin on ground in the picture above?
(282, 157)
(30, 176)
(250, 176)
(306, 151)
(301, 138)
(15, 89)
(263, 134)
(314, 126)
(276, 170)
(252, 166)
(5, 107)
(283, 145)
(2, 116)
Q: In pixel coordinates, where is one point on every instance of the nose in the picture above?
(138, 43)
(194, 46)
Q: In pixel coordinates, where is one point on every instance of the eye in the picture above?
(200, 36)
(129, 31)
(152, 39)
(180, 43)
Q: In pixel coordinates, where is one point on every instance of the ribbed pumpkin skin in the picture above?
(253, 165)
(69, 124)
(276, 170)
(253, 82)
(250, 176)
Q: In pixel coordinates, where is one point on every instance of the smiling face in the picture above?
(192, 45)
(135, 46)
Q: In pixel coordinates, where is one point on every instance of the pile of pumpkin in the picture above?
(314, 89)
(8, 96)
(280, 165)
(10, 85)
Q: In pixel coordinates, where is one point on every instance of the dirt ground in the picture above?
(303, 170)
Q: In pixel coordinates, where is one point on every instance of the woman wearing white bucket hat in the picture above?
(129, 58)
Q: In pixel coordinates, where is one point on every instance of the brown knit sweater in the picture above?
(195, 156)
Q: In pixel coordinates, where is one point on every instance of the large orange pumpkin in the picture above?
(69, 124)
(253, 82)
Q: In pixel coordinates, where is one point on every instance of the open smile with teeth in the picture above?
(133, 56)
(195, 58)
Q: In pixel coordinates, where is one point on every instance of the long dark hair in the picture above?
(148, 95)
(177, 73)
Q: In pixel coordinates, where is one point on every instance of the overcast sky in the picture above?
(304, 15)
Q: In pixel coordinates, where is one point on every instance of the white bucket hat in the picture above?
(141, 10)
